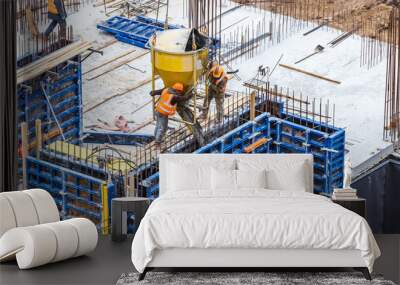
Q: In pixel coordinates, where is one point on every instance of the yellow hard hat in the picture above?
(218, 71)
(178, 86)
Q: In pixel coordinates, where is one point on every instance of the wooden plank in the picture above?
(140, 84)
(115, 66)
(38, 128)
(310, 73)
(255, 145)
(31, 23)
(252, 105)
(109, 61)
(46, 63)
(107, 44)
(141, 107)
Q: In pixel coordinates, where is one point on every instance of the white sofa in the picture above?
(31, 231)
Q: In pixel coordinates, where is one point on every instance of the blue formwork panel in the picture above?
(63, 86)
(83, 166)
(236, 140)
(76, 194)
(284, 136)
(136, 31)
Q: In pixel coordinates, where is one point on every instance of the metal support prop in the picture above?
(194, 87)
(194, 60)
(153, 81)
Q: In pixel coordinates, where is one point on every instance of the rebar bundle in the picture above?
(245, 41)
(392, 94)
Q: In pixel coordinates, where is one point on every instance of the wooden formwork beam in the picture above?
(47, 62)
(38, 146)
(115, 66)
(256, 145)
(137, 85)
(252, 105)
(109, 61)
(310, 73)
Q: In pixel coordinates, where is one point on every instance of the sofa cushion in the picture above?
(67, 240)
(32, 246)
(40, 244)
(7, 218)
(23, 208)
(87, 235)
(45, 206)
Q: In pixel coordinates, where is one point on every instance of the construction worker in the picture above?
(217, 81)
(166, 107)
(56, 13)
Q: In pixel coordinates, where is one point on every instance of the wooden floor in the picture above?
(106, 264)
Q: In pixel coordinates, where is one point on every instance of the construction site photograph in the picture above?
(297, 76)
(104, 87)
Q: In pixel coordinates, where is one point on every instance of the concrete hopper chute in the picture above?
(174, 59)
(181, 55)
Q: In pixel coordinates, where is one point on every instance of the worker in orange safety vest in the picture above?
(56, 13)
(217, 81)
(166, 107)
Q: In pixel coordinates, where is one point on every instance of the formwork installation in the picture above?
(279, 129)
(49, 101)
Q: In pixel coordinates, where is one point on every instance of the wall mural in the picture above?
(95, 115)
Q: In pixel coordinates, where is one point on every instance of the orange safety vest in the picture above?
(217, 81)
(164, 105)
(52, 7)
(214, 83)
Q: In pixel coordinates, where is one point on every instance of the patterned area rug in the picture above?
(269, 278)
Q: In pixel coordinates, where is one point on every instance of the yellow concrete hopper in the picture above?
(172, 63)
